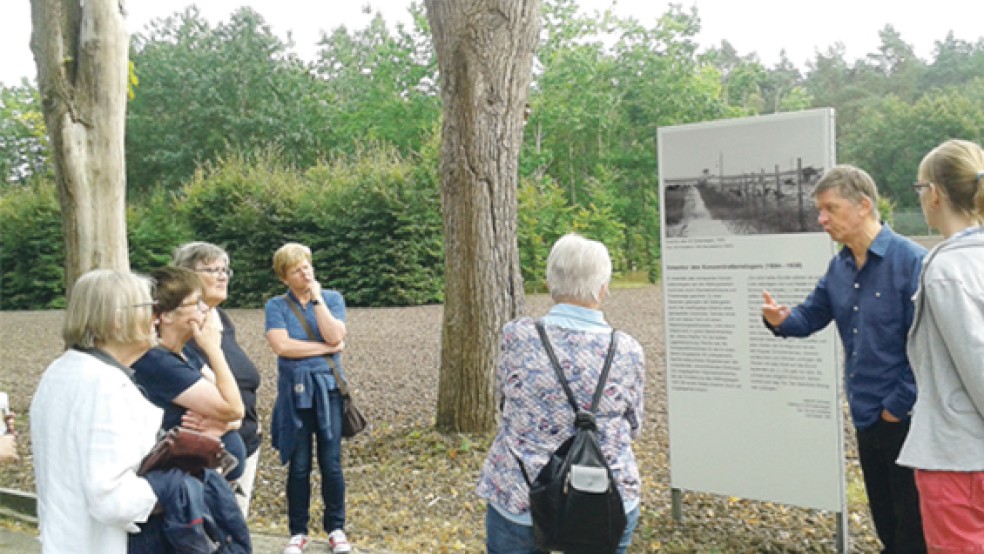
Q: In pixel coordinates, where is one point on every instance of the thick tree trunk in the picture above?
(485, 54)
(81, 50)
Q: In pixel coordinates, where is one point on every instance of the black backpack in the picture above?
(574, 502)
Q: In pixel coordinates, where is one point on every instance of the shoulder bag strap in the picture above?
(342, 385)
(599, 390)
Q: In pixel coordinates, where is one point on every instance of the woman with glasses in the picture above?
(172, 377)
(945, 445)
(211, 263)
(308, 405)
(90, 426)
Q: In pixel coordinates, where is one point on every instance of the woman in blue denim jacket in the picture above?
(308, 401)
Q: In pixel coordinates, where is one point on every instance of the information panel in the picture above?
(750, 414)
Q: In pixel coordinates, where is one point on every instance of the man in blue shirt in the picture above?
(867, 291)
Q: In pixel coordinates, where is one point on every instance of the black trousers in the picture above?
(891, 488)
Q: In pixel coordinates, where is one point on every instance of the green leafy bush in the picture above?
(249, 209)
(372, 222)
(31, 248)
(154, 228)
(544, 216)
(374, 226)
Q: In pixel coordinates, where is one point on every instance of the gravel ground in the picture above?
(410, 488)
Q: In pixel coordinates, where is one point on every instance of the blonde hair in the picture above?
(108, 307)
(577, 269)
(957, 168)
(288, 256)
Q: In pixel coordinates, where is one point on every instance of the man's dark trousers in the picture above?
(891, 488)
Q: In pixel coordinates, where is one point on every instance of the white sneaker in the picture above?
(339, 542)
(297, 544)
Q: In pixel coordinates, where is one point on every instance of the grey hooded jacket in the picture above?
(946, 350)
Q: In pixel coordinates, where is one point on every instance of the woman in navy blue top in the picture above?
(174, 380)
(212, 265)
(308, 401)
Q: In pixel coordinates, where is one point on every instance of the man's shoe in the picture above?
(297, 544)
(339, 542)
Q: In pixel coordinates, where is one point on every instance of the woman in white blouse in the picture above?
(90, 425)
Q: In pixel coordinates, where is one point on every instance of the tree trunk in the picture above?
(485, 53)
(81, 51)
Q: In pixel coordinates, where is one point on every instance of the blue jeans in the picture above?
(329, 452)
(505, 537)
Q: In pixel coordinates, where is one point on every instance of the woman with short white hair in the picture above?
(90, 425)
(535, 414)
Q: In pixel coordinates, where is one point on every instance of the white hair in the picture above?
(578, 269)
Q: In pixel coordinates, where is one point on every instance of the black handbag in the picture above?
(353, 422)
(574, 502)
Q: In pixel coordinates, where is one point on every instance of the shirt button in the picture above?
(877, 294)
(857, 285)
(855, 331)
(856, 308)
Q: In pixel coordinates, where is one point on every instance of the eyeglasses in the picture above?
(140, 305)
(918, 186)
(200, 304)
(216, 271)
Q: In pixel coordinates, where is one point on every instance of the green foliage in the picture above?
(228, 133)
(890, 136)
(249, 208)
(381, 86)
(543, 217)
(154, 229)
(374, 225)
(597, 221)
(23, 136)
(596, 110)
(372, 222)
(205, 92)
(31, 248)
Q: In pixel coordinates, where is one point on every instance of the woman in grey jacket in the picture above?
(946, 348)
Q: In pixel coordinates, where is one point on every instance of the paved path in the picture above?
(22, 542)
(698, 220)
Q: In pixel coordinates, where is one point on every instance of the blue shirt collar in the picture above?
(577, 317)
(878, 247)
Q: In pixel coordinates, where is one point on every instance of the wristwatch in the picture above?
(316, 301)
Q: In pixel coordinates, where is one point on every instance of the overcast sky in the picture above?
(761, 26)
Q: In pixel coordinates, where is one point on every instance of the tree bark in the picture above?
(485, 54)
(81, 50)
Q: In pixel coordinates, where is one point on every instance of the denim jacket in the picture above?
(302, 383)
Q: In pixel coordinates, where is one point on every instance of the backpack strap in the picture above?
(581, 419)
(339, 380)
(599, 390)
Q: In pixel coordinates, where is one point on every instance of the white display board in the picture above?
(750, 415)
